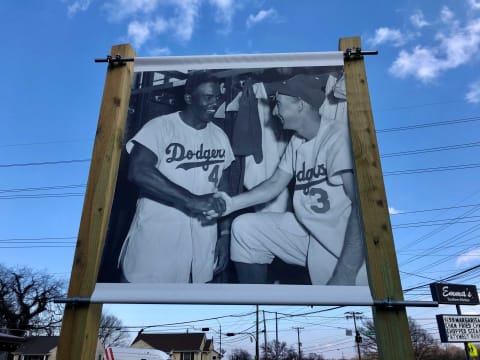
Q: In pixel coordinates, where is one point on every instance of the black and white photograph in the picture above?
(236, 181)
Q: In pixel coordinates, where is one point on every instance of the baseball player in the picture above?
(177, 161)
(323, 233)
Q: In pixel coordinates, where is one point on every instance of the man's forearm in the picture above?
(157, 187)
(353, 251)
(264, 192)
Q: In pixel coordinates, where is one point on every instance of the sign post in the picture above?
(79, 333)
(391, 324)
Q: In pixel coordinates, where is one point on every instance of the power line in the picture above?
(47, 142)
(44, 163)
(39, 238)
(40, 196)
(56, 187)
(434, 149)
(433, 209)
(426, 125)
(455, 220)
(446, 279)
(433, 169)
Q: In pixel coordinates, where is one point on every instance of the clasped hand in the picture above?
(227, 202)
(208, 206)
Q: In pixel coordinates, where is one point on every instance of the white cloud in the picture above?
(446, 15)
(138, 32)
(261, 16)
(393, 211)
(164, 51)
(473, 94)
(160, 25)
(469, 257)
(179, 17)
(454, 47)
(78, 5)
(418, 20)
(118, 10)
(187, 12)
(387, 35)
(474, 4)
(225, 9)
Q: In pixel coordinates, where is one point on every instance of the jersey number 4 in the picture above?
(213, 177)
(322, 198)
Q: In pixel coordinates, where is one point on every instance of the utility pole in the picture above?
(358, 337)
(264, 334)
(299, 343)
(465, 344)
(221, 354)
(276, 336)
(257, 352)
(220, 333)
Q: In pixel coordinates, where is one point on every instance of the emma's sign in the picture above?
(454, 294)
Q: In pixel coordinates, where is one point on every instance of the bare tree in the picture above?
(26, 302)
(424, 344)
(285, 352)
(240, 354)
(111, 331)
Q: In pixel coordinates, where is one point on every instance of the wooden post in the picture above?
(391, 324)
(79, 334)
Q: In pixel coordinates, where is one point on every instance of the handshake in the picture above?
(211, 206)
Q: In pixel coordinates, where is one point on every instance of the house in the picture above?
(180, 346)
(8, 343)
(45, 348)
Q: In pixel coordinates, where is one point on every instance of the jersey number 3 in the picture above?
(322, 199)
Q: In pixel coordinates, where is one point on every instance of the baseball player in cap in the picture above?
(177, 161)
(323, 233)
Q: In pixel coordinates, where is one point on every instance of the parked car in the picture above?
(127, 353)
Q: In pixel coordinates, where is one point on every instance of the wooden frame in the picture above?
(81, 320)
(78, 337)
(391, 325)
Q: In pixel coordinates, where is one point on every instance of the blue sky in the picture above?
(426, 73)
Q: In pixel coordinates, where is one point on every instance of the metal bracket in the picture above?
(72, 300)
(357, 53)
(390, 304)
(115, 61)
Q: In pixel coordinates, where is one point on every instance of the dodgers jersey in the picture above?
(164, 244)
(319, 200)
(191, 158)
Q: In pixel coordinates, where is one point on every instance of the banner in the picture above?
(236, 185)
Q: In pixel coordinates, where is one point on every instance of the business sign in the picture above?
(454, 294)
(184, 137)
(459, 328)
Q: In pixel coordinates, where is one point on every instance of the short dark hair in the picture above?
(198, 77)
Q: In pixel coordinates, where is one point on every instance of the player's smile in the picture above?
(285, 111)
(205, 101)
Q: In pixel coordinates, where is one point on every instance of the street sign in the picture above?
(472, 350)
(459, 328)
(370, 333)
(454, 294)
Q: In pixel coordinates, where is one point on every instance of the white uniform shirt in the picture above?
(164, 244)
(319, 201)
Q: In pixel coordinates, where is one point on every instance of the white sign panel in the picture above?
(199, 128)
(459, 328)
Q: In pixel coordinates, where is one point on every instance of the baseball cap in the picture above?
(309, 88)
